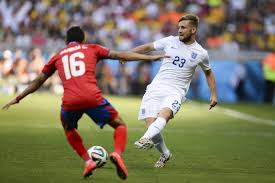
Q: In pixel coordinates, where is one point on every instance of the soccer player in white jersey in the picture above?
(163, 97)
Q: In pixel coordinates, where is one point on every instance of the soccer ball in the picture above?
(99, 155)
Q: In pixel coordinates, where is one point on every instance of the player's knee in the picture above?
(69, 126)
(117, 122)
(121, 126)
(166, 113)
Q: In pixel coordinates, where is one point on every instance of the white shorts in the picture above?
(152, 105)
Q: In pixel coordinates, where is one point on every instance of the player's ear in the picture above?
(194, 30)
(86, 38)
(66, 40)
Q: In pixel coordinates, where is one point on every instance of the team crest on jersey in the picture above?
(194, 55)
(143, 111)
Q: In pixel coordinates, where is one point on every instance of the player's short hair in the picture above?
(194, 19)
(76, 34)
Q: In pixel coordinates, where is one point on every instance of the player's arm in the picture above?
(141, 49)
(131, 56)
(212, 86)
(32, 87)
(144, 48)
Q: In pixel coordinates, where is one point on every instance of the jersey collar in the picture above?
(73, 42)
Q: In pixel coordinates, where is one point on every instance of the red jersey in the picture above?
(76, 65)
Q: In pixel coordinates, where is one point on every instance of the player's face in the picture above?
(186, 30)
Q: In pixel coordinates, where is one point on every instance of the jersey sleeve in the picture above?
(50, 68)
(161, 43)
(101, 52)
(205, 65)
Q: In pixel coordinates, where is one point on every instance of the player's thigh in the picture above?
(170, 106)
(166, 113)
(103, 114)
(70, 118)
(149, 108)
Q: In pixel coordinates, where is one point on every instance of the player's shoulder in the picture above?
(167, 39)
(55, 56)
(173, 38)
(201, 49)
(96, 47)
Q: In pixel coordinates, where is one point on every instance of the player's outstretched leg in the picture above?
(162, 148)
(120, 167)
(120, 138)
(144, 143)
(155, 127)
(89, 167)
(162, 160)
(75, 141)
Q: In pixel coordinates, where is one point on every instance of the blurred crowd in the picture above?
(17, 71)
(31, 31)
(123, 24)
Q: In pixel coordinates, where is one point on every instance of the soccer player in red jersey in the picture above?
(76, 65)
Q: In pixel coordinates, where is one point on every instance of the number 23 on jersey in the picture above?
(73, 65)
(179, 61)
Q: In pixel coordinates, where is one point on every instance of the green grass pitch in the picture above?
(207, 146)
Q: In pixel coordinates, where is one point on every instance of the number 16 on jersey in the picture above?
(73, 65)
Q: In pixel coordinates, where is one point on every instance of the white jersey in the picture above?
(169, 87)
(176, 73)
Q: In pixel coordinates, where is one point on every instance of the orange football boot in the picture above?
(120, 167)
(88, 171)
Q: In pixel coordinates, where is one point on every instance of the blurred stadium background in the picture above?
(238, 34)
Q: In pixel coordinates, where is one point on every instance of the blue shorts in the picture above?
(100, 114)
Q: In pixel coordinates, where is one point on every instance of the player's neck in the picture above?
(189, 41)
(73, 42)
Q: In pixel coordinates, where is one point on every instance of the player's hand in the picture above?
(6, 107)
(213, 102)
(158, 57)
(122, 62)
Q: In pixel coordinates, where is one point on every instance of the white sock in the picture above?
(160, 145)
(155, 128)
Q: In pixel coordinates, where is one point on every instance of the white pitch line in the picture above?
(246, 117)
(241, 115)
